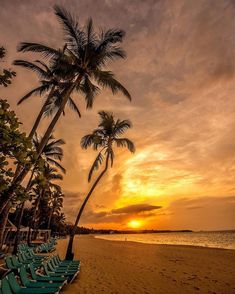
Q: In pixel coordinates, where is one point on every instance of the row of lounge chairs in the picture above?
(34, 273)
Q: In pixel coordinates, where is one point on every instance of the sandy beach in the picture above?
(129, 267)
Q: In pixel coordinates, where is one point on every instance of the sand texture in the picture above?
(128, 267)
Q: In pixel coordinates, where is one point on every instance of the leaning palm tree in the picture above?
(86, 55)
(104, 138)
(55, 203)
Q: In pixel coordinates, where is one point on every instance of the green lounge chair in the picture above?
(26, 282)
(69, 263)
(77, 262)
(58, 269)
(52, 274)
(44, 278)
(9, 285)
(56, 264)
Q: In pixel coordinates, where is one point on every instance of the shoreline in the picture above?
(132, 267)
(157, 244)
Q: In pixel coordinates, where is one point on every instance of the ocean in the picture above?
(218, 239)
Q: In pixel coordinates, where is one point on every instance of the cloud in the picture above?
(180, 72)
(135, 208)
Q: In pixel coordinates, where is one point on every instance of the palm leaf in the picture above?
(73, 106)
(106, 80)
(124, 142)
(39, 48)
(37, 91)
(29, 65)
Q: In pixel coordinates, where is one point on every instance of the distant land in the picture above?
(83, 230)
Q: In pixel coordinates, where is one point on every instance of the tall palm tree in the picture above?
(87, 54)
(104, 138)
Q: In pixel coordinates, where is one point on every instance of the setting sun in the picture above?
(134, 224)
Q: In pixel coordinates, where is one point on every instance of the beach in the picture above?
(136, 268)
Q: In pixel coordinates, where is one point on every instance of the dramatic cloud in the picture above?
(180, 71)
(135, 208)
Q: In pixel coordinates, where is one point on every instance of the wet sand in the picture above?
(128, 267)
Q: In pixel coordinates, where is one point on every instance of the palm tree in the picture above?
(104, 138)
(55, 204)
(44, 185)
(52, 153)
(86, 55)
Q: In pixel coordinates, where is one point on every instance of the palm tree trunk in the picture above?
(17, 237)
(3, 222)
(38, 119)
(50, 217)
(50, 128)
(34, 216)
(69, 253)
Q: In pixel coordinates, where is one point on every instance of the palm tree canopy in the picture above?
(84, 54)
(108, 134)
(52, 152)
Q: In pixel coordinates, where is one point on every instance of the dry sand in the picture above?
(129, 267)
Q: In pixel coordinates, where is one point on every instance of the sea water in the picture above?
(222, 239)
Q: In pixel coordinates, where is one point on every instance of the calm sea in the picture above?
(225, 239)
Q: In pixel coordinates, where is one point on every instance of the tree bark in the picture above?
(17, 237)
(69, 253)
(3, 222)
(39, 117)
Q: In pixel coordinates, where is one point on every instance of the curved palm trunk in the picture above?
(50, 128)
(17, 237)
(39, 117)
(7, 196)
(34, 216)
(35, 126)
(69, 253)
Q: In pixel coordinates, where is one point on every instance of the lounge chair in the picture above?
(9, 285)
(26, 282)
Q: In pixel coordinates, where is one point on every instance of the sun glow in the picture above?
(134, 224)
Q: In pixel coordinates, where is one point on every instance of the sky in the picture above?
(180, 71)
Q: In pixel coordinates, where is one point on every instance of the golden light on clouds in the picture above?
(182, 80)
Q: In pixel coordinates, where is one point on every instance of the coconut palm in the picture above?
(104, 138)
(85, 57)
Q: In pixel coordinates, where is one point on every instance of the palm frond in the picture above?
(37, 91)
(121, 126)
(106, 80)
(73, 106)
(87, 141)
(73, 33)
(31, 66)
(89, 90)
(39, 48)
(98, 161)
(124, 142)
(57, 164)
